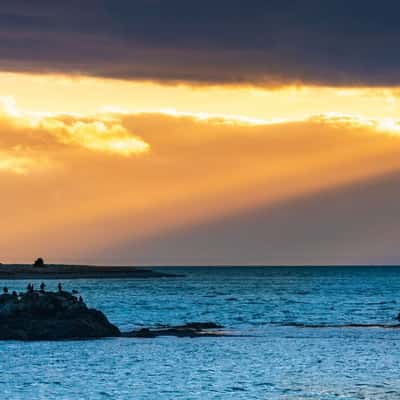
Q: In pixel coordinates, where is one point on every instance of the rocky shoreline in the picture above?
(45, 315)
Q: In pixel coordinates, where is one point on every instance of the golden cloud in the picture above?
(29, 132)
(95, 135)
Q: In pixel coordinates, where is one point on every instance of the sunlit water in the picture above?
(265, 359)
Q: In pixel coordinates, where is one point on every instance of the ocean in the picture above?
(290, 338)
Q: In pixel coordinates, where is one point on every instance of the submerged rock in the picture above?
(51, 316)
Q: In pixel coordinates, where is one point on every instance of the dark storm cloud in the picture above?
(337, 42)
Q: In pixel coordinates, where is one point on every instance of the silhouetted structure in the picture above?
(80, 299)
(60, 287)
(29, 288)
(39, 263)
(5, 289)
(14, 293)
(42, 286)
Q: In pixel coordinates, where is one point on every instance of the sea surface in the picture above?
(290, 338)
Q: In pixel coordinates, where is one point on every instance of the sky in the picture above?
(155, 132)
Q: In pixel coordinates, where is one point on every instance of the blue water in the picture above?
(265, 359)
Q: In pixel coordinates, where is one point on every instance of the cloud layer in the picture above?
(68, 198)
(261, 42)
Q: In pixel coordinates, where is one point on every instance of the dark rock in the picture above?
(142, 333)
(194, 329)
(51, 316)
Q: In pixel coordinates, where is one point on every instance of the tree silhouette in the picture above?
(39, 263)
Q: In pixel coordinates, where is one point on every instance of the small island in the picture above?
(40, 270)
(61, 315)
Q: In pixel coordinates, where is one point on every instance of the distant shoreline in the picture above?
(59, 271)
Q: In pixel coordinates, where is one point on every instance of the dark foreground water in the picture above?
(268, 358)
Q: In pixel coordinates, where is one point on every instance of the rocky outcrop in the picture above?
(36, 315)
(40, 315)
